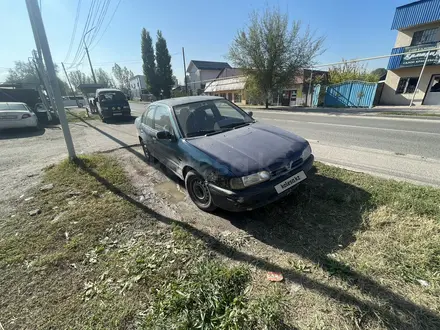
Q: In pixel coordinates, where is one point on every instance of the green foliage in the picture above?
(213, 297)
(123, 76)
(25, 73)
(102, 77)
(351, 71)
(78, 77)
(272, 53)
(149, 63)
(379, 72)
(164, 72)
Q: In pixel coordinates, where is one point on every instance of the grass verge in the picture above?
(77, 116)
(92, 260)
(356, 252)
(408, 113)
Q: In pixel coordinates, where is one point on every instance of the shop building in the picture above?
(418, 29)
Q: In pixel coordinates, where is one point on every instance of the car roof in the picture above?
(99, 90)
(13, 103)
(187, 99)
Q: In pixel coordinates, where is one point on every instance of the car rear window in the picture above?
(13, 107)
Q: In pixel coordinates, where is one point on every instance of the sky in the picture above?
(353, 29)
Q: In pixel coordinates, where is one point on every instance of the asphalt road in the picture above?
(400, 148)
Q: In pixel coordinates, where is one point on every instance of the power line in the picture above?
(72, 38)
(101, 19)
(80, 49)
(108, 24)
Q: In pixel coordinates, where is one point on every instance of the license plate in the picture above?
(117, 114)
(290, 182)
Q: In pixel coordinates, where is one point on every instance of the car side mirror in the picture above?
(164, 135)
(250, 113)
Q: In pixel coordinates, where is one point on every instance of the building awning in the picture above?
(226, 84)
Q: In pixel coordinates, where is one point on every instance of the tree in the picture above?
(123, 76)
(271, 53)
(149, 64)
(175, 81)
(379, 72)
(350, 71)
(78, 77)
(102, 77)
(164, 72)
(25, 73)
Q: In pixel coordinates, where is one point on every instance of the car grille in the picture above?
(286, 168)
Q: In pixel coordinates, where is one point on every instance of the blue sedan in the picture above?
(226, 158)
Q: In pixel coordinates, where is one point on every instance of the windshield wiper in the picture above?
(202, 132)
(236, 125)
(218, 131)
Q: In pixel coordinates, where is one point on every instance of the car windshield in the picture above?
(111, 96)
(12, 107)
(210, 117)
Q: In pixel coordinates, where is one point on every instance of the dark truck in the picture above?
(112, 103)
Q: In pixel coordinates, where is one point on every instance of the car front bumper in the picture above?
(255, 196)
(116, 113)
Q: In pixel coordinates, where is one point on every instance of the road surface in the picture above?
(400, 148)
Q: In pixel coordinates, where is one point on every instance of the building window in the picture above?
(237, 97)
(424, 37)
(407, 85)
(223, 95)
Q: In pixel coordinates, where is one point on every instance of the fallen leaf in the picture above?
(274, 277)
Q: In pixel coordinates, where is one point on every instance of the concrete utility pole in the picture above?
(88, 56)
(42, 72)
(184, 71)
(42, 43)
(70, 85)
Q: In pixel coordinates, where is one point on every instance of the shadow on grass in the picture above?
(315, 221)
(396, 304)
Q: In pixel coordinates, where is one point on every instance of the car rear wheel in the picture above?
(199, 192)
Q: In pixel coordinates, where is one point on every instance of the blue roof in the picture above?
(415, 13)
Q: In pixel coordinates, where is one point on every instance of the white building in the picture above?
(138, 87)
(201, 72)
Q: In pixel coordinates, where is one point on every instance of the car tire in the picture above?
(199, 192)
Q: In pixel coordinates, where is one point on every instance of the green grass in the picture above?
(77, 116)
(356, 252)
(92, 260)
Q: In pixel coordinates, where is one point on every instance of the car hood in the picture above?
(251, 148)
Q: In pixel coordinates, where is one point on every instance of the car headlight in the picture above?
(306, 152)
(126, 107)
(249, 180)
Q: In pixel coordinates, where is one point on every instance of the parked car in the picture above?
(17, 115)
(111, 103)
(226, 158)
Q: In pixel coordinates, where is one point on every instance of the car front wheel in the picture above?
(199, 192)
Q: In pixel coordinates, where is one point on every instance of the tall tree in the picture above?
(149, 64)
(104, 78)
(271, 53)
(164, 72)
(25, 73)
(123, 76)
(379, 72)
(78, 77)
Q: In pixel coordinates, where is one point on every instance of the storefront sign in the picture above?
(417, 59)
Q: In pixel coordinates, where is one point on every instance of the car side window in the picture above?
(162, 121)
(149, 117)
